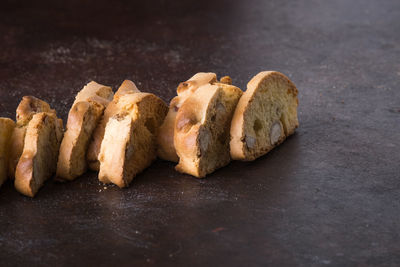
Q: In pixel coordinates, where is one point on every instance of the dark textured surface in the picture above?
(329, 195)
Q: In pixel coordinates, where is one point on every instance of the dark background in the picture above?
(329, 195)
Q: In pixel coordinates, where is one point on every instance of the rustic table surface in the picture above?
(329, 195)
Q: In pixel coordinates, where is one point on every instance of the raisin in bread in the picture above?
(165, 139)
(38, 161)
(265, 115)
(202, 129)
(28, 106)
(127, 87)
(6, 128)
(129, 143)
(83, 117)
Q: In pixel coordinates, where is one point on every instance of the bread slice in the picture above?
(28, 107)
(202, 129)
(165, 139)
(82, 120)
(129, 144)
(265, 115)
(6, 128)
(127, 87)
(39, 157)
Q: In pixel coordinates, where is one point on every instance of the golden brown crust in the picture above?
(126, 88)
(188, 124)
(24, 171)
(250, 130)
(95, 92)
(6, 128)
(129, 146)
(201, 135)
(196, 81)
(39, 158)
(28, 106)
(165, 139)
(226, 80)
(17, 146)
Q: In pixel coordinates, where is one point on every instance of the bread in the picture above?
(202, 128)
(6, 129)
(127, 87)
(28, 106)
(83, 117)
(165, 139)
(39, 157)
(17, 145)
(129, 144)
(96, 92)
(265, 115)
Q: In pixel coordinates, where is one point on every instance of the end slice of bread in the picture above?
(39, 157)
(126, 88)
(28, 107)
(265, 115)
(6, 128)
(129, 144)
(202, 129)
